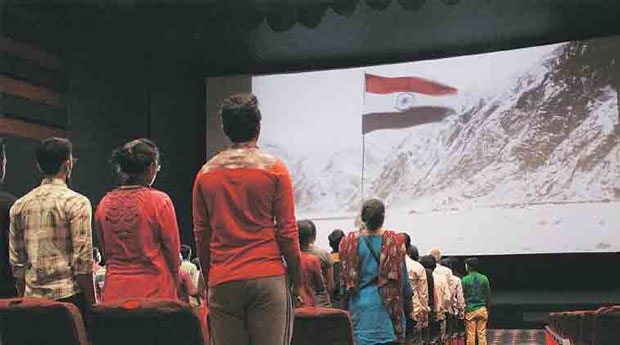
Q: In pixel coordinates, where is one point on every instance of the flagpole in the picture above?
(363, 134)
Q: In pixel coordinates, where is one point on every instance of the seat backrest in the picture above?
(323, 326)
(40, 321)
(586, 327)
(606, 326)
(145, 321)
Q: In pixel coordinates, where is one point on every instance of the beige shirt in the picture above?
(443, 300)
(190, 268)
(458, 300)
(417, 277)
(50, 240)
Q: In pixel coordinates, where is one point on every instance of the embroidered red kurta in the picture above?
(139, 236)
(390, 273)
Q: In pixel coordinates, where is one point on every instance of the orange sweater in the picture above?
(244, 215)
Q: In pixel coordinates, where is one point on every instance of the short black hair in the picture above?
(241, 117)
(407, 240)
(135, 157)
(446, 262)
(414, 254)
(51, 153)
(196, 261)
(428, 261)
(334, 239)
(307, 232)
(186, 251)
(472, 263)
(373, 214)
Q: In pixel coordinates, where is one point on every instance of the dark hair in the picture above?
(186, 251)
(472, 263)
(241, 117)
(446, 262)
(414, 254)
(51, 153)
(407, 241)
(334, 239)
(428, 261)
(454, 265)
(307, 232)
(196, 261)
(373, 214)
(135, 157)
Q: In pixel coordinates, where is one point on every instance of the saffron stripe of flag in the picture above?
(385, 85)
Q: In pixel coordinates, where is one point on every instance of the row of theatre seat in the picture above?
(32, 321)
(585, 327)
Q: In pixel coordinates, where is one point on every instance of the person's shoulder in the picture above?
(76, 198)
(158, 196)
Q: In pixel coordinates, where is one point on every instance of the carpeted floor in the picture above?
(516, 337)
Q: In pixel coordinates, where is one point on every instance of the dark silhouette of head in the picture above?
(186, 252)
(373, 214)
(334, 239)
(54, 157)
(471, 265)
(241, 117)
(307, 232)
(428, 261)
(137, 161)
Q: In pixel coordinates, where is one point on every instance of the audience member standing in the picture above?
(314, 282)
(457, 309)
(334, 242)
(50, 246)
(419, 284)
(325, 259)
(189, 267)
(376, 279)
(244, 223)
(7, 282)
(137, 229)
(186, 288)
(439, 268)
(442, 299)
(477, 291)
(96, 268)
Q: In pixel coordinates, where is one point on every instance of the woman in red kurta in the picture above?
(137, 229)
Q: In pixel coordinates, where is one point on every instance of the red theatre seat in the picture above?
(607, 326)
(324, 326)
(26, 321)
(145, 321)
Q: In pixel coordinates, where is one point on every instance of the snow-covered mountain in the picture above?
(554, 137)
(551, 137)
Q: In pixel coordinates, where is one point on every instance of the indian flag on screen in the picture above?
(401, 102)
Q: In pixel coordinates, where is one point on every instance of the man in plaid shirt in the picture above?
(50, 241)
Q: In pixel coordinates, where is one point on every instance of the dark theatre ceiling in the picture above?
(221, 37)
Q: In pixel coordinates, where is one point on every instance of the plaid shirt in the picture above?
(50, 240)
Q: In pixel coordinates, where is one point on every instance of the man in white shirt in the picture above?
(440, 269)
(443, 297)
(419, 284)
(457, 310)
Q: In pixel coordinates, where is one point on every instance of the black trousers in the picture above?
(79, 301)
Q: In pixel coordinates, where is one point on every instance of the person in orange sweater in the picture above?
(314, 283)
(244, 224)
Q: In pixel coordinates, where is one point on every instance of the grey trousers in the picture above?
(251, 312)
